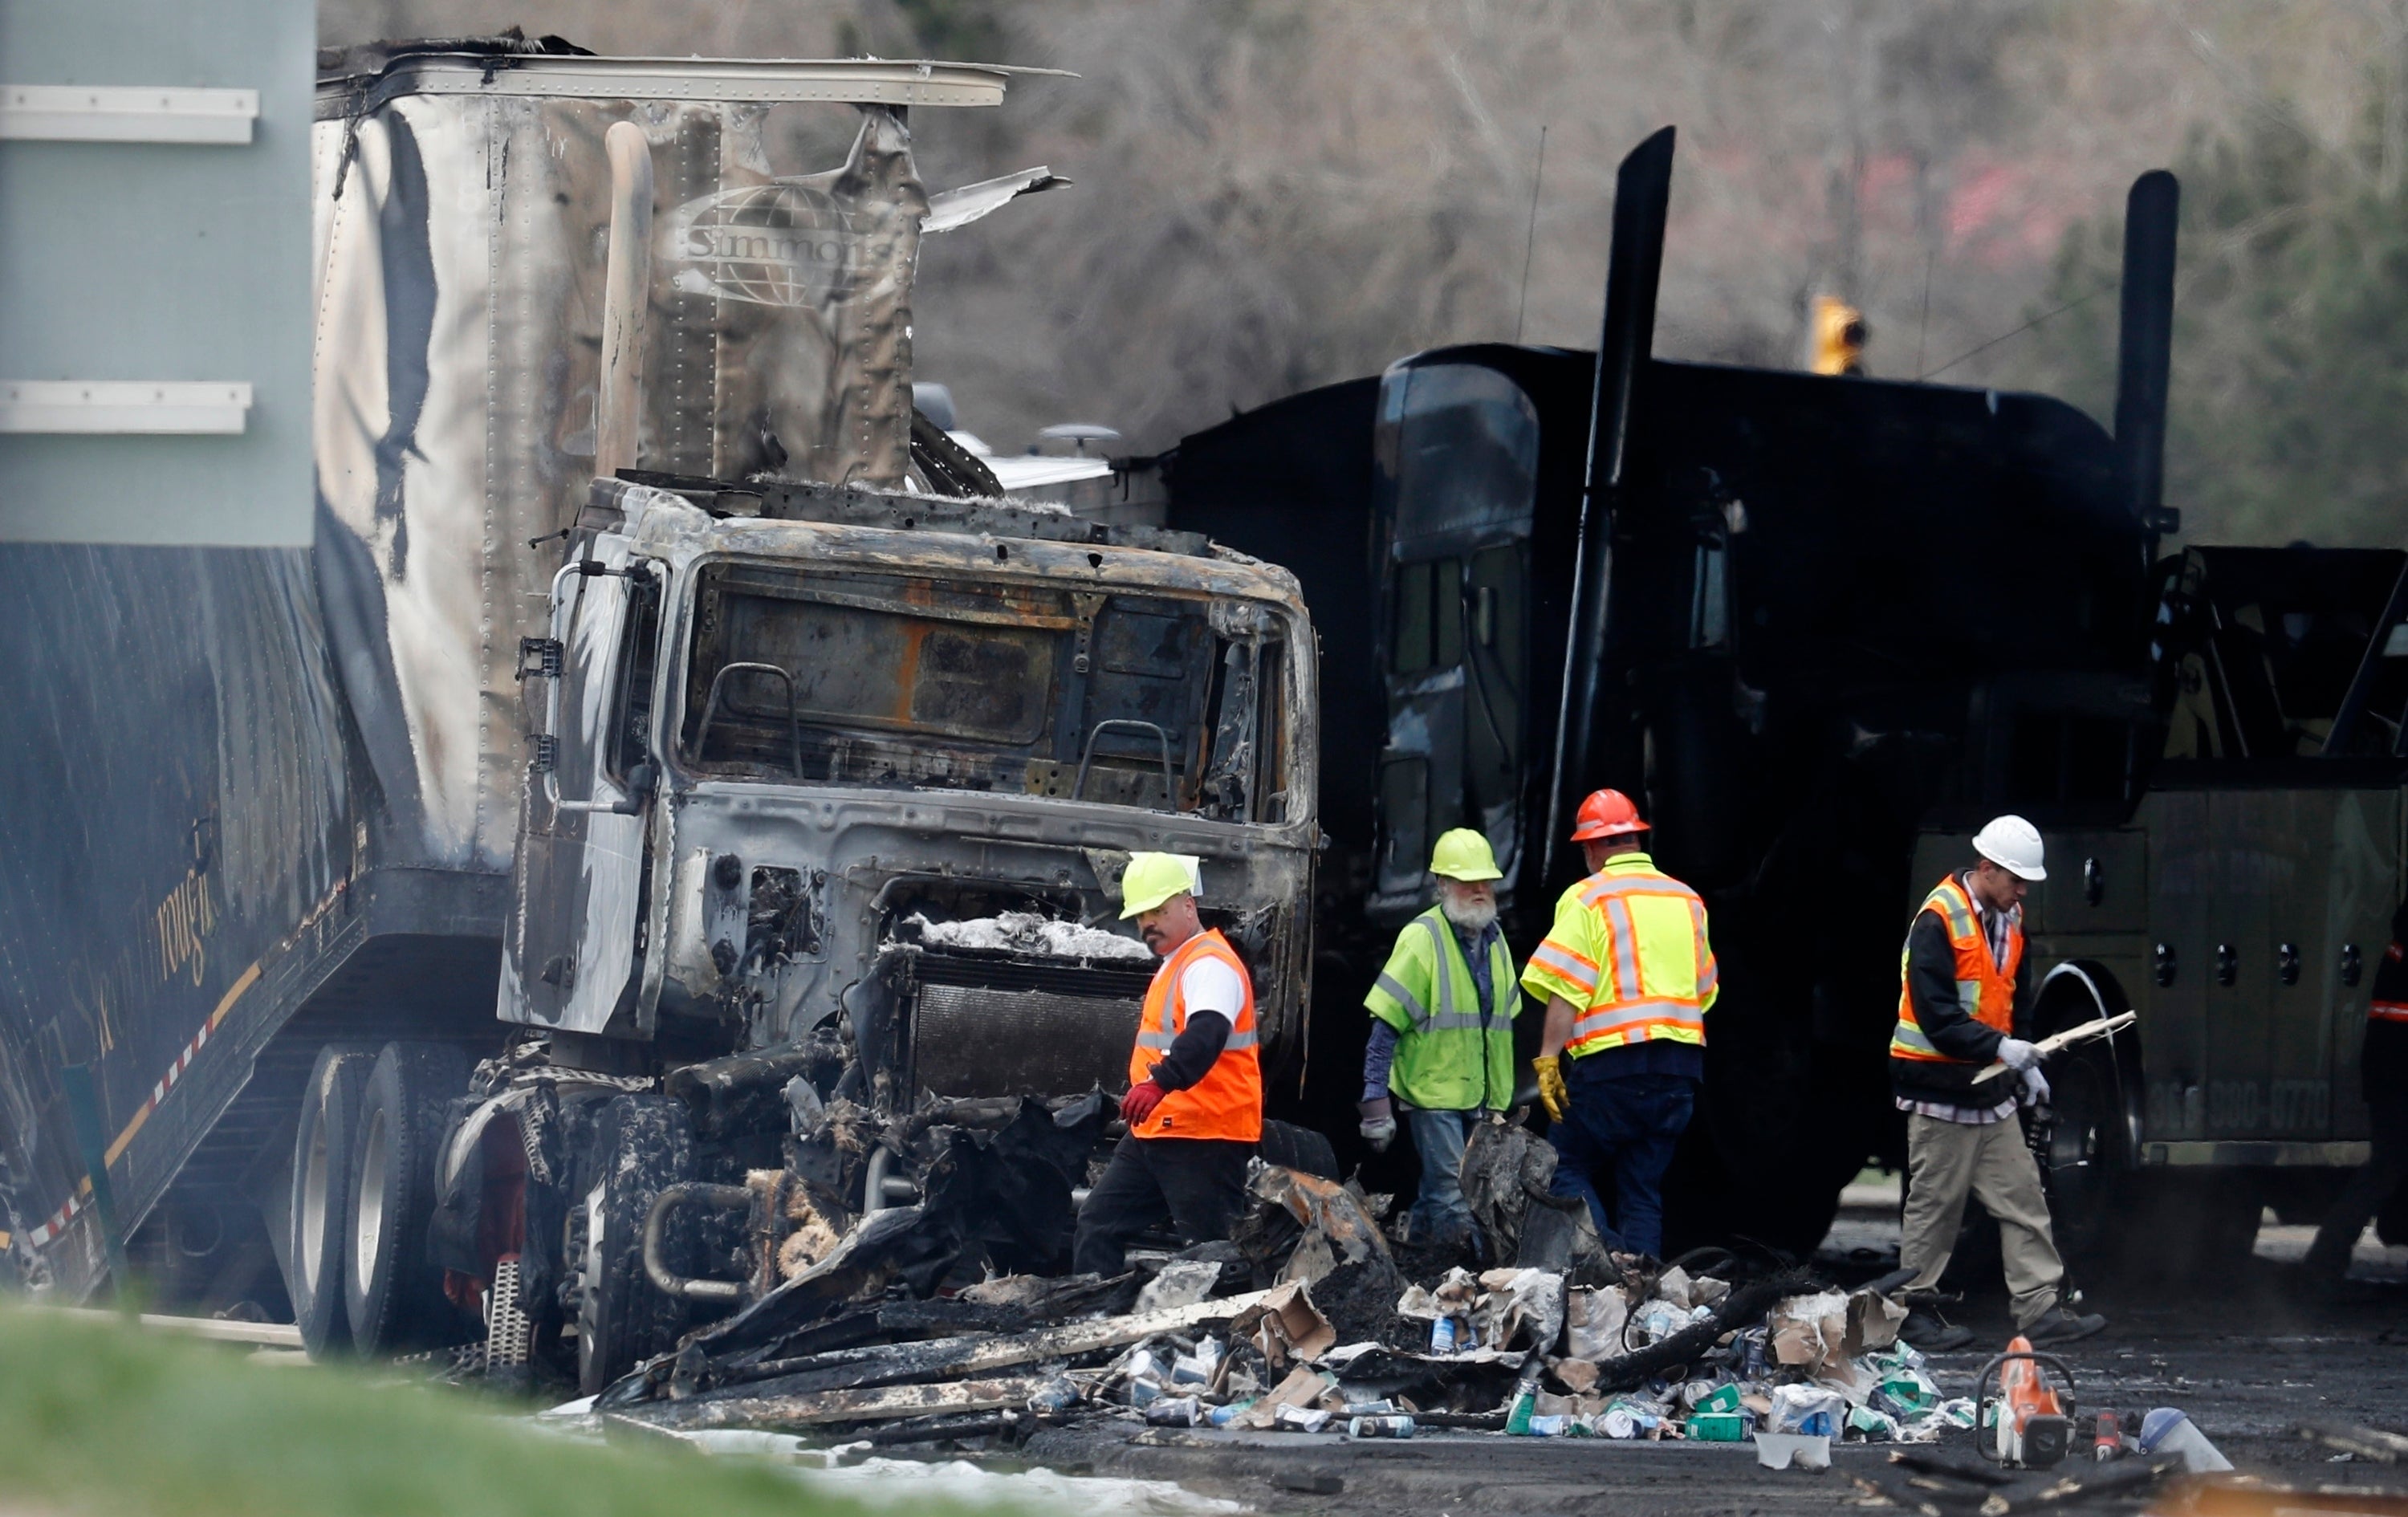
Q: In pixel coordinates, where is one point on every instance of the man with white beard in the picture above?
(1441, 1046)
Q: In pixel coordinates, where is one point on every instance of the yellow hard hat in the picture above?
(1464, 855)
(1152, 878)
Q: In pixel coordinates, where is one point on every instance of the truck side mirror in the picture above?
(641, 782)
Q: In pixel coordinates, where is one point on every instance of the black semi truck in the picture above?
(1824, 626)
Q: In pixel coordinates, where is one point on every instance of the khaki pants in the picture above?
(1947, 1161)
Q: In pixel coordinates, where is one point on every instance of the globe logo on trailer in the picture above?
(778, 243)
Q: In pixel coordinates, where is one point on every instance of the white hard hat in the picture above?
(2013, 845)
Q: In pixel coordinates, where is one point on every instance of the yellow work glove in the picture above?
(1552, 1094)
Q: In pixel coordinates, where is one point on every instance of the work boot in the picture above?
(2059, 1326)
(1926, 1330)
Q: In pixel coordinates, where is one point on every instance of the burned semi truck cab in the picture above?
(820, 848)
(865, 768)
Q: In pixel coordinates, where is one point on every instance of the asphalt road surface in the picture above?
(2248, 1363)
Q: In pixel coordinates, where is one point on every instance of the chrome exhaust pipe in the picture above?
(626, 294)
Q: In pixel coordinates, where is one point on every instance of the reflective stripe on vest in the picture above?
(1447, 1059)
(1452, 1015)
(1631, 1011)
(2386, 1011)
(1227, 1103)
(1985, 988)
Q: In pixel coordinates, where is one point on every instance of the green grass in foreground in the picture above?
(98, 1420)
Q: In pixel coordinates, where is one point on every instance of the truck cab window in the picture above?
(631, 708)
(924, 681)
(1456, 451)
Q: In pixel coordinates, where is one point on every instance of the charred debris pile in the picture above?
(939, 1320)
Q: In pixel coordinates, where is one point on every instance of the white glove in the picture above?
(1379, 1123)
(2036, 1086)
(2017, 1054)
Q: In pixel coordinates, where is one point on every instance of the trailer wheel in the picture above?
(1298, 1148)
(395, 1297)
(321, 1183)
(640, 1144)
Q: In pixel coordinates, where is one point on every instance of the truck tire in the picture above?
(1298, 1148)
(321, 1183)
(640, 1144)
(2090, 1158)
(395, 1297)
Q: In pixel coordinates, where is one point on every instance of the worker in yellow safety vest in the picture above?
(1628, 975)
(1441, 1043)
(1194, 1103)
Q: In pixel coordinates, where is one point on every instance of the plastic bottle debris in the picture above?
(1198, 1369)
(1905, 1393)
(2170, 1430)
(1299, 1419)
(1557, 1426)
(1223, 1416)
(1517, 1418)
(1381, 1408)
(1058, 1396)
(1899, 1355)
(1174, 1411)
(1659, 1319)
(1749, 1357)
(1870, 1425)
(1391, 1426)
(1442, 1335)
(1717, 1427)
(1703, 1395)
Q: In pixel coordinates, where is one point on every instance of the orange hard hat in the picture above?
(1606, 813)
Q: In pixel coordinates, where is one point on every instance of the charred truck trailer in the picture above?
(651, 686)
(1823, 627)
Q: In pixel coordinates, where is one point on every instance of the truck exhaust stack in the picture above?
(626, 291)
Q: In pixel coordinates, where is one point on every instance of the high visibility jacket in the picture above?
(1628, 951)
(1227, 1102)
(1985, 987)
(1455, 1054)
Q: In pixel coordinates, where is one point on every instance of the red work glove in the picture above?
(1140, 1102)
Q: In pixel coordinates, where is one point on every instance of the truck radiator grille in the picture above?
(1018, 1029)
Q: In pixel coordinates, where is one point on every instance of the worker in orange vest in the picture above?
(1956, 1020)
(1628, 977)
(1194, 1104)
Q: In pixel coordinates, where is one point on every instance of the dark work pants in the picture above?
(1197, 1183)
(1620, 1131)
(2384, 1172)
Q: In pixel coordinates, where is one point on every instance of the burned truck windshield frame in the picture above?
(927, 681)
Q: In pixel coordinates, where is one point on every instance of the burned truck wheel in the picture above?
(641, 1143)
(1298, 1148)
(322, 1182)
(393, 1296)
(2088, 1156)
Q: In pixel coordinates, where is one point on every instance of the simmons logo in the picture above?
(779, 244)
